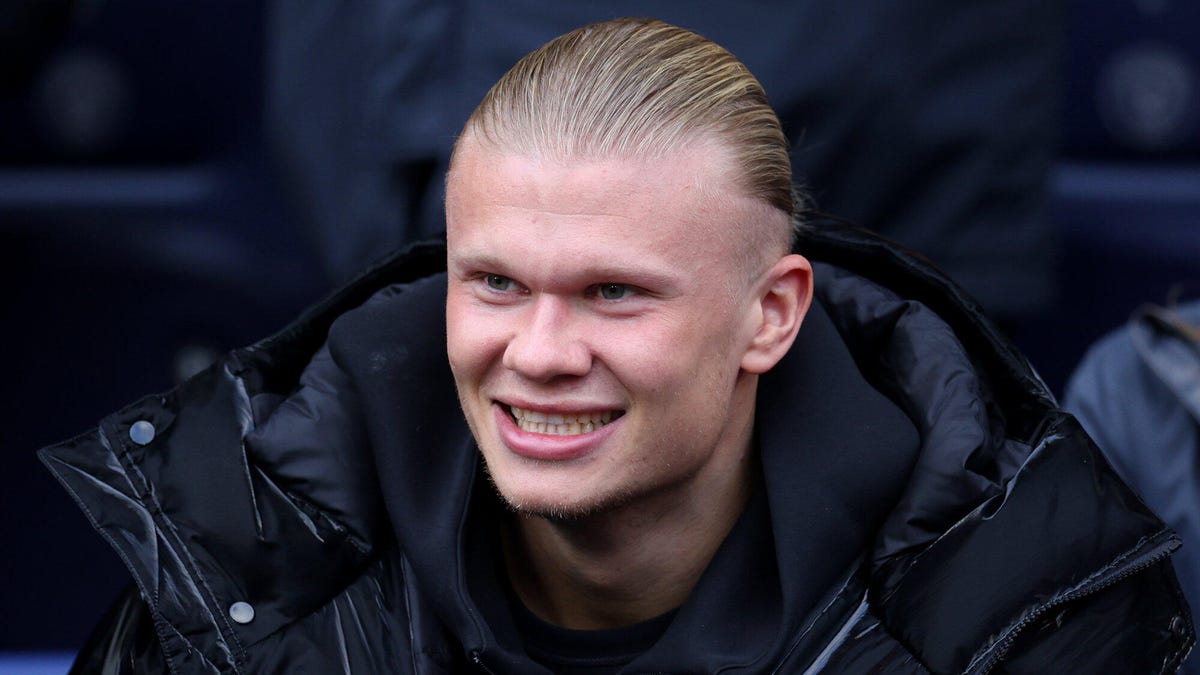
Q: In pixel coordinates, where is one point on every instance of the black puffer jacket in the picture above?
(313, 504)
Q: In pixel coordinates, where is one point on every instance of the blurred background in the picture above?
(178, 179)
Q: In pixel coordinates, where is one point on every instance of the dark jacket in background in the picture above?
(925, 506)
(934, 123)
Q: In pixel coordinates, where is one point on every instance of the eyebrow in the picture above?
(632, 274)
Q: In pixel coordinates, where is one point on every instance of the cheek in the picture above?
(705, 339)
(467, 339)
(701, 365)
(667, 360)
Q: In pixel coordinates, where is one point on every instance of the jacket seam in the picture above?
(157, 621)
(167, 527)
(824, 610)
(865, 605)
(339, 528)
(412, 637)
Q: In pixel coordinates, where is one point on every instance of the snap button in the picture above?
(142, 432)
(241, 612)
(1178, 626)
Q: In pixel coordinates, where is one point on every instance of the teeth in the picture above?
(561, 425)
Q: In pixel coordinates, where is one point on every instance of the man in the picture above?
(658, 470)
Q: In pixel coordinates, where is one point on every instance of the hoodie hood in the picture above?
(826, 499)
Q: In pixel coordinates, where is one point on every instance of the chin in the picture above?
(557, 501)
(555, 513)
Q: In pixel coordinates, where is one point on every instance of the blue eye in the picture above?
(612, 291)
(498, 283)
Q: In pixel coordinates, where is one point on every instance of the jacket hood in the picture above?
(898, 412)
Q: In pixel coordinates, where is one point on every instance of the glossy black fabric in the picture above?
(930, 509)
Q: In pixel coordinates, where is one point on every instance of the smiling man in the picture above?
(619, 277)
(606, 348)
(624, 454)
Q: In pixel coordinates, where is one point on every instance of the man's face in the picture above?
(597, 320)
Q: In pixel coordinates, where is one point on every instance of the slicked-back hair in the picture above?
(639, 89)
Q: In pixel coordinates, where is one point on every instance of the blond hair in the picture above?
(638, 88)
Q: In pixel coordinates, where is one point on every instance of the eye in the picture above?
(613, 291)
(498, 283)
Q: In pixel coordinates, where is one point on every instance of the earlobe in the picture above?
(784, 298)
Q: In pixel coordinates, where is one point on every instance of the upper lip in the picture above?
(558, 407)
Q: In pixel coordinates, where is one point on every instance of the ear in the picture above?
(784, 295)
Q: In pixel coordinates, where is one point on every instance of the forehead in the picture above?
(677, 200)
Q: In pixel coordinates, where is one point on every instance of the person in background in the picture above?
(1137, 392)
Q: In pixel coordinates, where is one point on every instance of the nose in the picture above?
(548, 344)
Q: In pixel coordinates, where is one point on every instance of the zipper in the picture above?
(1155, 555)
(479, 662)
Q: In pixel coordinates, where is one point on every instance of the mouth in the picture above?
(557, 424)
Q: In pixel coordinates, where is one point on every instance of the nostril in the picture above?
(547, 358)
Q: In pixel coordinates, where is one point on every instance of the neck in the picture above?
(631, 563)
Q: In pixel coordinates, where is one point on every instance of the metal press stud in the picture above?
(241, 612)
(142, 432)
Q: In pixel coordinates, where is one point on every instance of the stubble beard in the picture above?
(560, 512)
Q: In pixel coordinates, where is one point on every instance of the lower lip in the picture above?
(548, 447)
